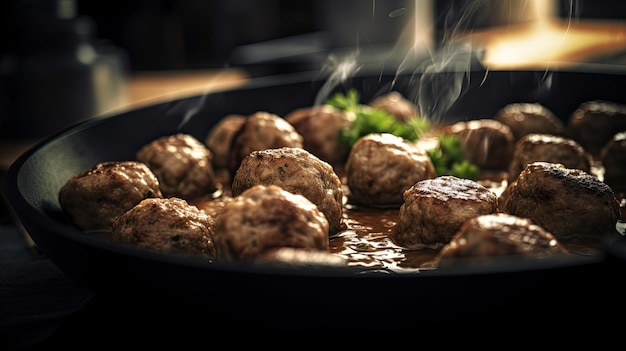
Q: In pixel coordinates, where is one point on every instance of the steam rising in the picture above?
(340, 70)
(441, 83)
(439, 75)
(188, 108)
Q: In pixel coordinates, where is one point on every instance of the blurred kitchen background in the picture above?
(65, 60)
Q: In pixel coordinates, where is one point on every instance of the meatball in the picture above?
(548, 148)
(260, 131)
(95, 197)
(298, 171)
(567, 202)
(321, 129)
(525, 118)
(166, 225)
(182, 164)
(499, 234)
(396, 105)
(486, 143)
(435, 209)
(219, 139)
(504, 197)
(613, 158)
(380, 167)
(263, 218)
(594, 123)
(211, 206)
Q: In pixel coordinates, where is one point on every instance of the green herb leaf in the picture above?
(447, 158)
(370, 120)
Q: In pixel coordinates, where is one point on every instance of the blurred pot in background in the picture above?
(54, 73)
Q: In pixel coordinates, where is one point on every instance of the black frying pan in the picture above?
(288, 297)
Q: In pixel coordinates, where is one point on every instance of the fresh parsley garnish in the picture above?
(447, 158)
(368, 120)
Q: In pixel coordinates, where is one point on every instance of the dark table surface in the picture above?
(41, 308)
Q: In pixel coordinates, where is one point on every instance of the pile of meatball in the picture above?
(268, 188)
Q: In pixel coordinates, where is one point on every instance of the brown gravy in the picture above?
(366, 240)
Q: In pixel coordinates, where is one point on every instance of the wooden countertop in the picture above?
(146, 88)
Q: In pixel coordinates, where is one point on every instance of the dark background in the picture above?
(56, 69)
(174, 34)
(169, 34)
(198, 34)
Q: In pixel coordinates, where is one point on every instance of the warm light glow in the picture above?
(423, 35)
(534, 37)
(548, 43)
(536, 45)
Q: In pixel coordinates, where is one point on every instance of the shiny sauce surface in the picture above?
(365, 242)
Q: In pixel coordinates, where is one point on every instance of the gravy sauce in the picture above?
(365, 241)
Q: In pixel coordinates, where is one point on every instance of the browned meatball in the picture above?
(594, 123)
(219, 139)
(486, 143)
(95, 197)
(435, 209)
(380, 167)
(320, 128)
(211, 206)
(298, 171)
(182, 164)
(499, 234)
(529, 118)
(567, 202)
(260, 131)
(170, 226)
(613, 158)
(396, 105)
(503, 198)
(263, 218)
(548, 148)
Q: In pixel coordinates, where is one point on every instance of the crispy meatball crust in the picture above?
(380, 167)
(487, 143)
(220, 137)
(297, 171)
(262, 130)
(529, 118)
(613, 158)
(435, 209)
(594, 123)
(548, 148)
(320, 128)
(567, 202)
(182, 164)
(166, 225)
(95, 197)
(499, 234)
(264, 218)
(396, 105)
